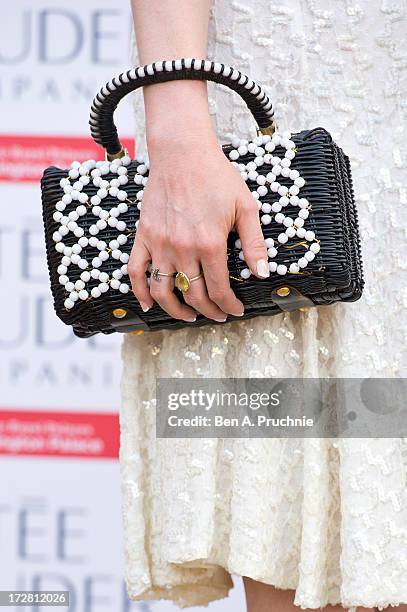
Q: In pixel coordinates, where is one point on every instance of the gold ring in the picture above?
(156, 274)
(183, 282)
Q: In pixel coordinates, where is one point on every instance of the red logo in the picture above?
(24, 158)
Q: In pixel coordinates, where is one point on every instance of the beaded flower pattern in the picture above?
(90, 171)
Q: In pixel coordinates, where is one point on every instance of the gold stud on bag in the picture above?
(302, 184)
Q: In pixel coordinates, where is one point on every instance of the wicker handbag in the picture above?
(302, 184)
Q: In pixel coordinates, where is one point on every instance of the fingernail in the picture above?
(144, 307)
(240, 314)
(191, 320)
(220, 320)
(263, 268)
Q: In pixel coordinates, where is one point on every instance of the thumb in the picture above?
(251, 236)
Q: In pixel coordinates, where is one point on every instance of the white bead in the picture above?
(259, 151)
(276, 207)
(62, 270)
(302, 262)
(56, 237)
(69, 304)
(300, 182)
(294, 200)
(63, 279)
(303, 213)
(124, 288)
(309, 235)
(242, 150)
(233, 155)
(275, 186)
(81, 210)
(288, 222)
(252, 175)
(78, 186)
(123, 179)
(114, 191)
(121, 226)
(103, 255)
(101, 224)
(285, 163)
(104, 214)
(255, 195)
(73, 173)
(122, 195)
(294, 190)
(299, 222)
(79, 284)
(59, 247)
(259, 161)
(85, 180)
(124, 269)
(103, 287)
(82, 264)
(245, 273)
(122, 239)
(301, 232)
(96, 262)
(63, 182)
(241, 256)
(251, 147)
(93, 241)
(76, 249)
(266, 219)
(66, 261)
(303, 203)
(122, 207)
(141, 169)
(294, 174)
(290, 231)
(283, 190)
(309, 255)
(262, 190)
(126, 160)
(83, 197)
(75, 258)
(75, 194)
(69, 287)
(117, 274)
(281, 269)
(85, 276)
(60, 206)
(57, 216)
(103, 277)
(116, 254)
(261, 180)
(68, 188)
(279, 218)
(121, 170)
(83, 294)
(266, 207)
(63, 230)
(114, 183)
(315, 247)
(95, 293)
(272, 252)
(138, 180)
(66, 198)
(124, 258)
(112, 221)
(102, 193)
(272, 266)
(95, 273)
(285, 172)
(72, 225)
(238, 243)
(294, 268)
(114, 283)
(282, 238)
(67, 251)
(73, 216)
(290, 154)
(93, 230)
(251, 166)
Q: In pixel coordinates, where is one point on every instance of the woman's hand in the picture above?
(193, 198)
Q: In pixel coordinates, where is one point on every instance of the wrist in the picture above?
(177, 112)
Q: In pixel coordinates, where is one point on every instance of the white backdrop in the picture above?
(60, 523)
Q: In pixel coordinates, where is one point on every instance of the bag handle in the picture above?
(101, 121)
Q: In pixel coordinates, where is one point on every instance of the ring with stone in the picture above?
(155, 274)
(183, 282)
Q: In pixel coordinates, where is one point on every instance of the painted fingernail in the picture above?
(144, 307)
(263, 268)
(191, 320)
(220, 320)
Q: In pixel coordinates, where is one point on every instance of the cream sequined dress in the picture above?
(325, 517)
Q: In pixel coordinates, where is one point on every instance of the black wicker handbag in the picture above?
(302, 183)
